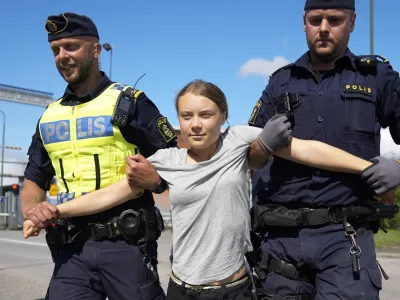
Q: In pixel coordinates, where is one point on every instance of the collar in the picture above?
(69, 93)
(347, 58)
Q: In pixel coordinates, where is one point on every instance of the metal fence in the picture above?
(10, 212)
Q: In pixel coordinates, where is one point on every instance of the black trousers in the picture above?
(95, 270)
(239, 292)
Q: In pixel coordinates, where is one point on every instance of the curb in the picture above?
(387, 255)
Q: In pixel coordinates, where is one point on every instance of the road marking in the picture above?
(22, 242)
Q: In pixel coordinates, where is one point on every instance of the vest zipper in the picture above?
(73, 140)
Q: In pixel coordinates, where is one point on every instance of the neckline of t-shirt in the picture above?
(220, 143)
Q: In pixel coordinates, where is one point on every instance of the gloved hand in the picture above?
(383, 175)
(276, 133)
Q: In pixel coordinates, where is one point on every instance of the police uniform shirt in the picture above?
(141, 130)
(346, 108)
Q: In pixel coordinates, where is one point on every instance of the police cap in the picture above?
(70, 25)
(326, 4)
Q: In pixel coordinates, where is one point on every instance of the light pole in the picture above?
(109, 47)
(371, 26)
(2, 154)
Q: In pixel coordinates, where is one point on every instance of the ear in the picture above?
(97, 50)
(223, 118)
(304, 21)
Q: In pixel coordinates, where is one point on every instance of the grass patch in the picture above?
(389, 239)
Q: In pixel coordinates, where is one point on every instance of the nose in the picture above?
(196, 125)
(324, 27)
(63, 54)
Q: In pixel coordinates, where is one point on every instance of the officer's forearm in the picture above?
(323, 156)
(258, 157)
(31, 195)
(99, 200)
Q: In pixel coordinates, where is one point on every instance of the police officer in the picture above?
(84, 138)
(314, 248)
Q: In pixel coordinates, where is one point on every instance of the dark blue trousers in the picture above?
(98, 269)
(327, 250)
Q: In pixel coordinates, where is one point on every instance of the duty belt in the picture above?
(277, 215)
(103, 231)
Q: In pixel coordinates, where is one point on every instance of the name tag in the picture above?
(356, 88)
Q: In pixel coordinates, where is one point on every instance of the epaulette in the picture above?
(369, 61)
(136, 93)
(131, 92)
(281, 69)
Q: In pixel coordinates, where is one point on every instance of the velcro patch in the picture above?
(255, 112)
(165, 129)
(357, 88)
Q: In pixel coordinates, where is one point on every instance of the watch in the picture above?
(161, 186)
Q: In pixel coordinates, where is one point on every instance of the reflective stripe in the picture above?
(97, 168)
(62, 175)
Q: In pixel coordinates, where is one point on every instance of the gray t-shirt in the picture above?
(210, 207)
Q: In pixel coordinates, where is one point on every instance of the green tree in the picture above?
(395, 222)
(398, 196)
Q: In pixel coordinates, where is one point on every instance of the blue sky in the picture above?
(173, 42)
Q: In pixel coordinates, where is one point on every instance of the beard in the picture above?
(327, 55)
(82, 69)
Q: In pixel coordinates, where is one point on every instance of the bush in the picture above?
(395, 222)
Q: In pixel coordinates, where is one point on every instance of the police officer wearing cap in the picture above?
(84, 138)
(314, 246)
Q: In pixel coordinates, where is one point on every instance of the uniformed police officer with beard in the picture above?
(84, 138)
(319, 249)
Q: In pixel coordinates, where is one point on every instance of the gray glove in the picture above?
(383, 175)
(276, 133)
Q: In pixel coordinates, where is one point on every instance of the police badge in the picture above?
(165, 129)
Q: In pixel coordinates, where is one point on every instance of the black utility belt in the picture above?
(132, 224)
(278, 215)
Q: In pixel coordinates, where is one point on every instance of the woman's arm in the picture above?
(99, 200)
(91, 203)
(319, 155)
(323, 156)
(258, 157)
(275, 138)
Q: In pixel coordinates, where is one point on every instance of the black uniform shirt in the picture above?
(346, 108)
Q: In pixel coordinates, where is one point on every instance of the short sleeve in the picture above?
(246, 134)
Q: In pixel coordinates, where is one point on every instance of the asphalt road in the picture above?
(26, 266)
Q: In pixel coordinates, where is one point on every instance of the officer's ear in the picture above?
(97, 50)
(304, 21)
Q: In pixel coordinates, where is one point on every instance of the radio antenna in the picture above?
(138, 80)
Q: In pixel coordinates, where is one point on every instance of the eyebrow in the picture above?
(333, 14)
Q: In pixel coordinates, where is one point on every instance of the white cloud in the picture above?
(261, 67)
(388, 148)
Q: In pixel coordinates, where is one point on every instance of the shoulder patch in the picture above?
(255, 112)
(165, 129)
(288, 66)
